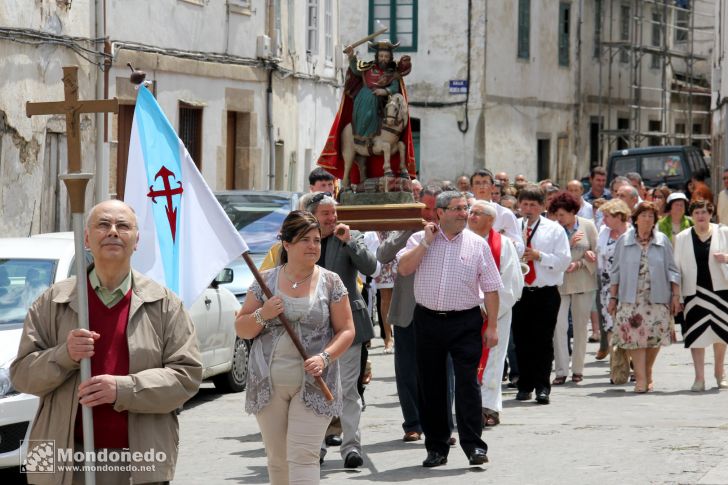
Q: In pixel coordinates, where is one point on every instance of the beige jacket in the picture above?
(582, 280)
(165, 370)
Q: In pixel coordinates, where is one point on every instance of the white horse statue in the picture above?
(394, 123)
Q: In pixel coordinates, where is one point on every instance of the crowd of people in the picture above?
(500, 288)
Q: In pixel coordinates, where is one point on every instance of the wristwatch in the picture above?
(326, 358)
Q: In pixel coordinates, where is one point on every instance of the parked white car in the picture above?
(30, 265)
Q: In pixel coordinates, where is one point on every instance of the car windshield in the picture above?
(21, 282)
(258, 217)
(625, 165)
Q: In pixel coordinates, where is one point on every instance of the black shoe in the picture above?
(434, 459)
(478, 457)
(543, 397)
(514, 383)
(333, 440)
(353, 460)
(322, 454)
(523, 396)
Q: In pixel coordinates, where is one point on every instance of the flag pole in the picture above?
(286, 324)
(76, 186)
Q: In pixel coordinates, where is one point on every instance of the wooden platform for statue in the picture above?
(382, 217)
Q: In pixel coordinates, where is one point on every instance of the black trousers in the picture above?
(533, 324)
(457, 333)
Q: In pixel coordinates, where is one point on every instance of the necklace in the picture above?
(644, 240)
(294, 284)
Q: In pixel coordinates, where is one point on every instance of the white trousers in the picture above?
(490, 388)
(292, 435)
(580, 305)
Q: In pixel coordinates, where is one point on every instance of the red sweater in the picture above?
(111, 356)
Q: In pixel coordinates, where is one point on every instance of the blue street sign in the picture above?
(458, 86)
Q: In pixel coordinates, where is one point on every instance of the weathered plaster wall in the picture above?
(33, 73)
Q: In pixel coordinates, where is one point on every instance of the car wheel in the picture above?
(234, 380)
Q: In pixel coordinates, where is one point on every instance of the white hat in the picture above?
(676, 196)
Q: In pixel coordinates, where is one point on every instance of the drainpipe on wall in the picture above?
(484, 83)
(271, 140)
(101, 185)
(270, 66)
(578, 104)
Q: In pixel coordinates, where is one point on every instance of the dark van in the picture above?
(669, 165)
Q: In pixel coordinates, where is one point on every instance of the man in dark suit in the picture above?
(344, 252)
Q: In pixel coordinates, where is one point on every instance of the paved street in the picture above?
(591, 433)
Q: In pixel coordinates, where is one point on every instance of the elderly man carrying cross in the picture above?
(145, 362)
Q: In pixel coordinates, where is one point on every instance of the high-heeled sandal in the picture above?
(367, 377)
(389, 347)
(722, 382)
(640, 389)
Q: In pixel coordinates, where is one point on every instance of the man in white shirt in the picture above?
(723, 200)
(576, 189)
(481, 183)
(480, 221)
(548, 255)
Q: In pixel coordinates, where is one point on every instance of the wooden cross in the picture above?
(72, 107)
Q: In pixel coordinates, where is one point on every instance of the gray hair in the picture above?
(632, 191)
(634, 177)
(443, 200)
(307, 202)
(488, 208)
(619, 180)
(431, 190)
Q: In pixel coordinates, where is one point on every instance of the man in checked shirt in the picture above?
(453, 270)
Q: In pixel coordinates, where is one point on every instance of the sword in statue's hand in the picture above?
(349, 49)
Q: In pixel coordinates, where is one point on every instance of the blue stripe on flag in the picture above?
(161, 147)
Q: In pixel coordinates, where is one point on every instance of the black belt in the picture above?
(538, 288)
(450, 313)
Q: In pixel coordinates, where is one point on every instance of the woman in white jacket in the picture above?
(701, 255)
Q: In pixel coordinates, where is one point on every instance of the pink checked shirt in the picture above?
(452, 273)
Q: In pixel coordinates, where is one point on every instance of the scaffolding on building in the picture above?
(684, 91)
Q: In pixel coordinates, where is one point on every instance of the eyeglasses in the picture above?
(121, 227)
(477, 213)
(460, 208)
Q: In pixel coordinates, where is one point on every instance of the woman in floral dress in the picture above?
(615, 214)
(644, 293)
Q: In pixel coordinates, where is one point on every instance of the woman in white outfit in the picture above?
(701, 256)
